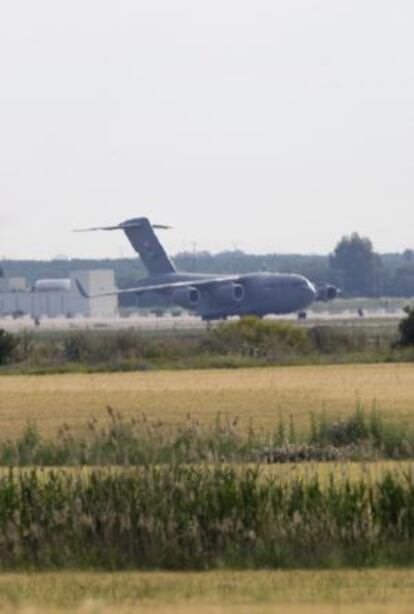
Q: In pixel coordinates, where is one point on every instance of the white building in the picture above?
(59, 297)
(94, 282)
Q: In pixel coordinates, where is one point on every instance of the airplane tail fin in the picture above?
(143, 239)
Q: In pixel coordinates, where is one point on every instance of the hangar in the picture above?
(52, 298)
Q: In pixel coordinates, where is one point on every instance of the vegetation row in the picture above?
(139, 441)
(181, 517)
(249, 341)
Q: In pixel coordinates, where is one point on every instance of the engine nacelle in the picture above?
(188, 297)
(327, 293)
(230, 293)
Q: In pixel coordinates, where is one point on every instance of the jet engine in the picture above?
(230, 293)
(326, 293)
(187, 297)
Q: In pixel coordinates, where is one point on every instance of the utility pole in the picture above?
(194, 244)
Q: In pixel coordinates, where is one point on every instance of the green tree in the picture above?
(408, 255)
(406, 328)
(356, 267)
(403, 280)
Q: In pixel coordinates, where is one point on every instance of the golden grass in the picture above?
(226, 592)
(369, 472)
(260, 394)
(96, 607)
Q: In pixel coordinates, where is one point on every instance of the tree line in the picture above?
(354, 266)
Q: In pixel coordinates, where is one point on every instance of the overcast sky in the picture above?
(266, 125)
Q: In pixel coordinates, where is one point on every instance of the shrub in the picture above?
(252, 336)
(331, 339)
(117, 347)
(87, 346)
(369, 434)
(8, 343)
(351, 430)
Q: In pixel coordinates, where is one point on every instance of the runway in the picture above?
(152, 323)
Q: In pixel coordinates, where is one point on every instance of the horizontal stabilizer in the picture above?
(123, 226)
(141, 235)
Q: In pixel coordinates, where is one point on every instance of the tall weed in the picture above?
(177, 517)
(141, 441)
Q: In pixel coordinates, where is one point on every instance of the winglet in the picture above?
(82, 290)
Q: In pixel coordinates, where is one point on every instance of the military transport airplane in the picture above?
(212, 296)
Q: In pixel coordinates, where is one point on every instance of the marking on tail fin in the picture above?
(141, 235)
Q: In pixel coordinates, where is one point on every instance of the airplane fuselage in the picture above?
(264, 293)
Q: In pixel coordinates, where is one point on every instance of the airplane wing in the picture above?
(202, 283)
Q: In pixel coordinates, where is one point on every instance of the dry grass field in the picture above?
(92, 607)
(258, 394)
(225, 592)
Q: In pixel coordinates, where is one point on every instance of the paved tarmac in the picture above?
(189, 323)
